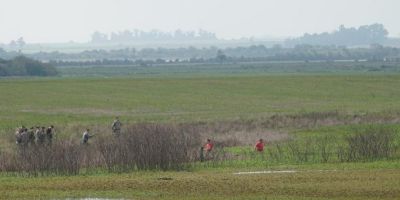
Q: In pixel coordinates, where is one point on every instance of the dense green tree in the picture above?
(23, 66)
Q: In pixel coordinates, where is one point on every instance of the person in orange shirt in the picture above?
(259, 145)
(208, 146)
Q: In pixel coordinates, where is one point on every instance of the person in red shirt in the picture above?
(259, 145)
(208, 146)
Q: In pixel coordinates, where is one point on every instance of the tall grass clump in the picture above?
(363, 144)
(371, 144)
(360, 144)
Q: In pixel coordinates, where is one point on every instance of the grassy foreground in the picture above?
(303, 184)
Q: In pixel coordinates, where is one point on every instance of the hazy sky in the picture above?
(65, 20)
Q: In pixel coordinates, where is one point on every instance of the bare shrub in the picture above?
(141, 147)
(60, 158)
(148, 146)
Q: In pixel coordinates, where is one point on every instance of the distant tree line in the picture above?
(154, 35)
(363, 35)
(374, 52)
(23, 66)
(249, 54)
(17, 44)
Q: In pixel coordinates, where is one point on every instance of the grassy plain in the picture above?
(232, 69)
(98, 100)
(69, 102)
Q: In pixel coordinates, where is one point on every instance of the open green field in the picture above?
(232, 69)
(306, 109)
(98, 100)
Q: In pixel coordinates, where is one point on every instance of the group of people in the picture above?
(115, 127)
(209, 145)
(34, 135)
(43, 135)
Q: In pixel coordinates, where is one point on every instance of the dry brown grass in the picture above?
(170, 146)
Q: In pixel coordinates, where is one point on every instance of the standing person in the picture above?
(201, 154)
(209, 145)
(18, 135)
(37, 133)
(259, 145)
(24, 136)
(49, 134)
(86, 136)
(31, 135)
(116, 126)
(40, 135)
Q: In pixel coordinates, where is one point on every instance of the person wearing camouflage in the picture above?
(116, 127)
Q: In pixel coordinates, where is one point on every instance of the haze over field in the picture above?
(64, 20)
(221, 99)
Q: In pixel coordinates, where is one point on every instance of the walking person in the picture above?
(116, 127)
(86, 136)
(259, 145)
(208, 147)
